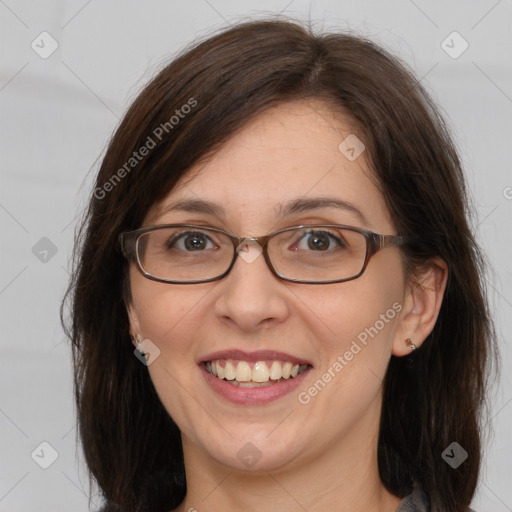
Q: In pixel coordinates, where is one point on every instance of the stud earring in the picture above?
(410, 344)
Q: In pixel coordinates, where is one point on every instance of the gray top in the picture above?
(417, 501)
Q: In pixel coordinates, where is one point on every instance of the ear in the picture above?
(421, 305)
(134, 320)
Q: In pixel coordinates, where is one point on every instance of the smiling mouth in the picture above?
(254, 374)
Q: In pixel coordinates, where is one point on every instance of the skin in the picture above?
(321, 455)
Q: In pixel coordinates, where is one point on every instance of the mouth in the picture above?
(253, 374)
(252, 378)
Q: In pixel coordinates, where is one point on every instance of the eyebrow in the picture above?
(300, 205)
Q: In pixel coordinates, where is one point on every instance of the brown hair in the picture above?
(132, 447)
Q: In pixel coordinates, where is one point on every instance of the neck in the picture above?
(343, 477)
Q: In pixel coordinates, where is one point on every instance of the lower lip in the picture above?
(252, 396)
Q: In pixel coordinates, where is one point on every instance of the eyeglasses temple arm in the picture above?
(127, 245)
(382, 241)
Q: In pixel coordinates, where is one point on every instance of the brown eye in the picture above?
(320, 241)
(190, 241)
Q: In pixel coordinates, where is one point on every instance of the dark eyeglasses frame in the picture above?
(374, 242)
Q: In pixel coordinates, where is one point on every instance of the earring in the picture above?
(411, 344)
(138, 340)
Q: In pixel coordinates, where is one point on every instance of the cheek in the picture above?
(353, 325)
(166, 313)
(169, 316)
(361, 312)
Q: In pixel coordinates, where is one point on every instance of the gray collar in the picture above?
(417, 501)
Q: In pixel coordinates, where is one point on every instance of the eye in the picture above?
(190, 241)
(320, 241)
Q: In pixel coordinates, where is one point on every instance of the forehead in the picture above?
(288, 152)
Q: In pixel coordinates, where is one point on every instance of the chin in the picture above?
(254, 452)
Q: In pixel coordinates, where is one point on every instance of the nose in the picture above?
(251, 296)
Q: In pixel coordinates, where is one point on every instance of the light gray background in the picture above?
(58, 113)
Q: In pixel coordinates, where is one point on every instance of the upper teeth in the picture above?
(241, 371)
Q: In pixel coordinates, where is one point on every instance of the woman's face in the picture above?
(344, 332)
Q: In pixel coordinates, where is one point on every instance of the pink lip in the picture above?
(251, 396)
(259, 355)
(257, 395)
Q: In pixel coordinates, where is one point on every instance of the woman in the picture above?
(279, 228)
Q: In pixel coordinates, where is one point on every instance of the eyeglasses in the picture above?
(309, 254)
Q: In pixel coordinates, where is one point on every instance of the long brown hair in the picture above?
(132, 447)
